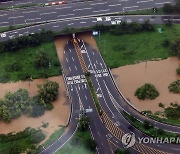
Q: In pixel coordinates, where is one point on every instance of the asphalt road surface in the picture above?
(86, 22)
(69, 11)
(111, 100)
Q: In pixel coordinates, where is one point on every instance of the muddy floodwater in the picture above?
(160, 73)
(58, 116)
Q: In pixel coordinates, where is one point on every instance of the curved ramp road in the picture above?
(69, 11)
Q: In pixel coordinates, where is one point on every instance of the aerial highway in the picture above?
(69, 11)
(86, 22)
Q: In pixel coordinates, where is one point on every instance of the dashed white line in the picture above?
(56, 26)
(99, 3)
(162, 3)
(145, 1)
(114, 5)
(71, 24)
(76, 68)
(130, 7)
(102, 10)
(65, 15)
(31, 11)
(82, 9)
(70, 69)
(85, 97)
(83, 22)
(67, 60)
(68, 7)
(72, 59)
(15, 17)
(1, 15)
(47, 13)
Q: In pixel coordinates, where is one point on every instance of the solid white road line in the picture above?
(162, 3)
(23, 3)
(130, 7)
(4, 22)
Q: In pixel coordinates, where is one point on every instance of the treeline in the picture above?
(31, 40)
(125, 28)
(21, 142)
(168, 8)
(19, 103)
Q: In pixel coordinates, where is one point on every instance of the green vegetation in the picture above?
(81, 142)
(147, 91)
(19, 103)
(175, 86)
(54, 136)
(98, 107)
(120, 50)
(173, 111)
(21, 142)
(147, 128)
(178, 70)
(175, 49)
(168, 8)
(25, 67)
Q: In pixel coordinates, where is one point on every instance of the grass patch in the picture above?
(21, 142)
(77, 144)
(120, 50)
(149, 129)
(54, 136)
(94, 95)
(25, 58)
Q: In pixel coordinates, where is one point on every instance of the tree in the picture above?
(178, 70)
(83, 123)
(175, 86)
(48, 92)
(168, 8)
(176, 48)
(41, 60)
(122, 151)
(147, 125)
(91, 144)
(147, 91)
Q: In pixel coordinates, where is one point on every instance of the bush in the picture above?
(83, 123)
(166, 43)
(48, 92)
(175, 86)
(147, 125)
(147, 91)
(175, 48)
(14, 67)
(178, 70)
(168, 8)
(41, 60)
(4, 78)
(161, 105)
(173, 112)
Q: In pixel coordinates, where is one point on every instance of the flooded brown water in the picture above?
(160, 73)
(58, 116)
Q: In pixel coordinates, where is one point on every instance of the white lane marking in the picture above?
(85, 85)
(68, 7)
(72, 58)
(102, 10)
(64, 51)
(70, 50)
(23, 3)
(98, 3)
(85, 97)
(114, 5)
(145, 1)
(76, 68)
(1, 15)
(94, 21)
(6, 2)
(83, 22)
(71, 24)
(56, 26)
(69, 68)
(47, 13)
(30, 11)
(79, 87)
(162, 3)
(130, 7)
(4, 22)
(32, 19)
(82, 9)
(67, 60)
(98, 133)
(65, 15)
(15, 17)
(96, 62)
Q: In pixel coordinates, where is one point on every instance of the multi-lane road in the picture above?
(68, 11)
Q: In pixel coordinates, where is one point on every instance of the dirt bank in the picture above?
(58, 116)
(160, 73)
